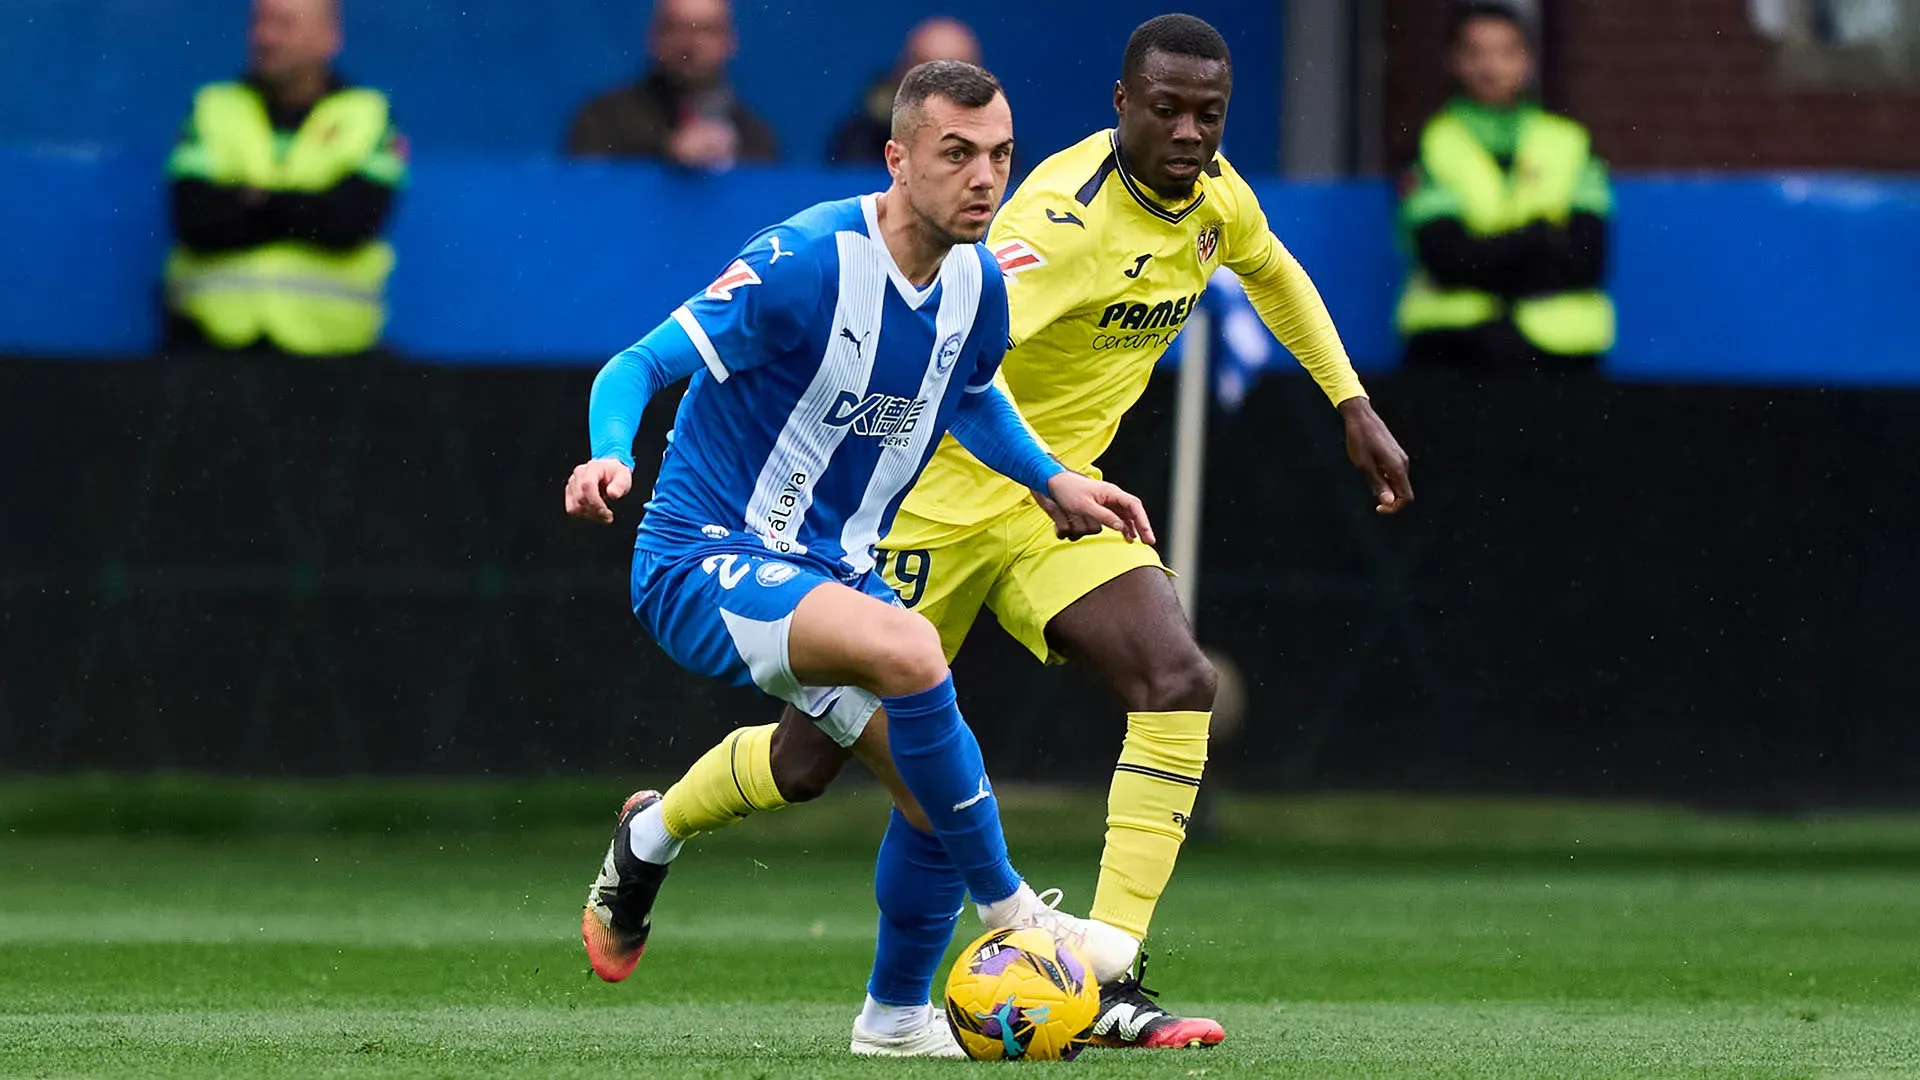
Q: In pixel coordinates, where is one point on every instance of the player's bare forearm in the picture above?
(1374, 451)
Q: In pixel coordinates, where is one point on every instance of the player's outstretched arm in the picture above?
(1375, 452)
(1290, 305)
(987, 424)
(620, 395)
(1285, 297)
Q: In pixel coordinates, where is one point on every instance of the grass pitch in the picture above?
(430, 931)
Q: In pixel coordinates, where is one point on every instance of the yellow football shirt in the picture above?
(1101, 277)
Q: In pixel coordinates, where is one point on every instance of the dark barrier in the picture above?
(1602, 589)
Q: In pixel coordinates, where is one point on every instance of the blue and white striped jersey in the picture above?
(828, 381)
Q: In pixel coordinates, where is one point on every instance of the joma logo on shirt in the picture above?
(1138, 316)
(877, 416)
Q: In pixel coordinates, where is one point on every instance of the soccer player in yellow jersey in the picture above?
(1106, 248)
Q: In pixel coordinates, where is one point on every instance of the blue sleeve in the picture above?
(623, 388)
(995, 329)
(986, 423)
(761, 306)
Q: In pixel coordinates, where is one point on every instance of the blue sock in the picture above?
(920, 895)
(939, 759)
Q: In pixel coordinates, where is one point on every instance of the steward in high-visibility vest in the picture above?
(1506, 215)
(277, 210)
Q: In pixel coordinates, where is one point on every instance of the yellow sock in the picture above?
(729, 782)
(1154, 786)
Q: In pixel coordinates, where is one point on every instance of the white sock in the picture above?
(892, 1021)
(1009, 912)
(649, 838)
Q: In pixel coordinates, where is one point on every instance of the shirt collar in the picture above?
(1145, 196)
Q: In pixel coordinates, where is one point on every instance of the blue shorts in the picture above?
(727, 615)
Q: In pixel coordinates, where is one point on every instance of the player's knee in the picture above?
(808, 778)
(1181, 681)
(907, 657)
(805, 761)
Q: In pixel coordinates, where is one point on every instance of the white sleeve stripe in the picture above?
(981, 389)
(704, 344)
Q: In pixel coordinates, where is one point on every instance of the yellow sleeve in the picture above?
(1046, 260)
(1291, 307)
(1285, 297)
(1000, 380)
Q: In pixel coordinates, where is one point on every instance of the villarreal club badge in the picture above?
(1207, 243)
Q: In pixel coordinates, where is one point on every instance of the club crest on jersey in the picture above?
(949, 352)
(774, 574)
(1015, 256)
(1207, 243)
(733, 277)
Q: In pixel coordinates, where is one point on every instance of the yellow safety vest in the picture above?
(1548, 162)
(303, 298)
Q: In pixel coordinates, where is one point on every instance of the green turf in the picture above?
(318, 930)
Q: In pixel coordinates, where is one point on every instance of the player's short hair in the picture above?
(1176, 35)
(968, 85)
(1466, 11)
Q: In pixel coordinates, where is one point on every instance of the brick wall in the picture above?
(1667, 84)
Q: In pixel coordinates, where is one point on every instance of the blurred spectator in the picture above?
(683, 110)
(1506, 212)
(281, 183)
(1829, 22)
(861, 138)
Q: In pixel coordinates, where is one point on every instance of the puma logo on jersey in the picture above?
(859, 343)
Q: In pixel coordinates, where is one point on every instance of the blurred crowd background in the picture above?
(306, 296)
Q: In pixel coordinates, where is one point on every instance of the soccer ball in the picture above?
(1017, 993)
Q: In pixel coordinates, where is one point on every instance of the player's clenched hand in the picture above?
(1065, 525)
(1374, 451)
(593, 484)
(1090, 504)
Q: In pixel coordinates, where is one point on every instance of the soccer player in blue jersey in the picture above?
(827, 362)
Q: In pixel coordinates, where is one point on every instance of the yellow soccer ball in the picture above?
(1018, 994)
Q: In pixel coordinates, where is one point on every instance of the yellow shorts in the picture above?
(1011, 563)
